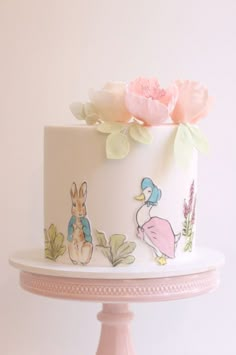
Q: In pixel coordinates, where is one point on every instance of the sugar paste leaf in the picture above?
(89, 109)
(101, 238)
(140, 134)
(116, 240)
(199, 140)
(77, 108)
(183, 145)
(117, 146)
(92, 119)
(110, 127)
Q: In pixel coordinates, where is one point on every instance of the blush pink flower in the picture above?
(193, 102)
(109, 102)
(147, 101)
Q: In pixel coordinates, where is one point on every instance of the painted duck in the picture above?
(155, 231)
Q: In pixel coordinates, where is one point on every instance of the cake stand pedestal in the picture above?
(115, 290)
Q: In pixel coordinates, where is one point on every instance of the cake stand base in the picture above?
(115, 338)
(115, 294)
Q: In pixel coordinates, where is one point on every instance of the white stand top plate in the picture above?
(202, 260)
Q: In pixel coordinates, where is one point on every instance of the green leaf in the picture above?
(140, 134)
(101, 238)
(46, 239)
(58, 241)
(85, 111)
(183, 145)
(47, 244)
(126, 260)
(116, 240)
(188, 246)
(117, 146)
(106, 252)
(117, 250)
(126, 249)
(53, 243)
(89, 109)
(190, 232)
(77, 108)
(199, 140)
(48, 254)
(92, 119)
(61, 251)
(52, 232)
(110, 127)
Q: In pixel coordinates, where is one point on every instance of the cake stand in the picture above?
(116, 287)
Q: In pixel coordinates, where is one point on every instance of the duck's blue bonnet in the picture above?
(156, 193)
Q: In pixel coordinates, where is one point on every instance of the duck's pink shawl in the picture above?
(161, 234)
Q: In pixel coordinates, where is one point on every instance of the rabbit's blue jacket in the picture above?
(86, 229)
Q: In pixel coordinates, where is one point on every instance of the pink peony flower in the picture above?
(148, 102)
(193, 102)
(109, 102)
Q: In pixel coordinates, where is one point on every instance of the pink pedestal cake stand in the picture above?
(116, 287)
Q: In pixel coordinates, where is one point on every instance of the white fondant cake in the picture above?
(120, 190)
(116, 228)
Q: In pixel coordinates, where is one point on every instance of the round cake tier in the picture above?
(139, 210)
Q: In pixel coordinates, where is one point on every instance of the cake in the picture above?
(120, 187)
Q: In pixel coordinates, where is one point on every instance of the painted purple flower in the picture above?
(193, 214)
(186, 209)
(190, 203)
(189, 218)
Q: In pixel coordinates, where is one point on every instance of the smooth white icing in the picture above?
(77, 154)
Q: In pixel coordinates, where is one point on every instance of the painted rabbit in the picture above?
(80, 245)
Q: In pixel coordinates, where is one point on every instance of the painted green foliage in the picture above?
(189, 219)
(117, 250)
(54, 243)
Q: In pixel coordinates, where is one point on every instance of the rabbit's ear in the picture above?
(83, 191)
(73, 190)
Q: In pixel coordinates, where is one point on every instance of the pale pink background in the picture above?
(52, 51)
